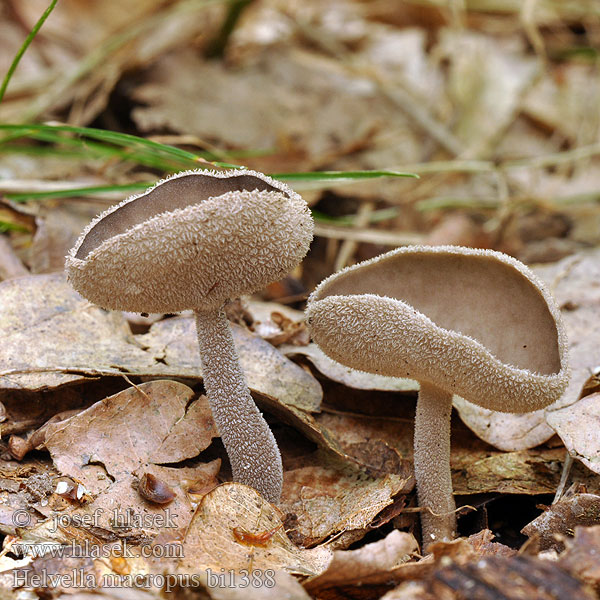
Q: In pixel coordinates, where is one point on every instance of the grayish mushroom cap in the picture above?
(191, 241)
(476, 323)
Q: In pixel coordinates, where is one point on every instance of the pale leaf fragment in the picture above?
(558, 522)
(323, 501)
(369, 564)
(109, 446)
(211, 543)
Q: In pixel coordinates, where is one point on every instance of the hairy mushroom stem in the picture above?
(432, 464)
(250, 444)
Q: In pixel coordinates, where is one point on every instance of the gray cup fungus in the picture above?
(193, 241)
(475, 323)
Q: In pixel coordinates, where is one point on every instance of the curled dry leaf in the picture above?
(581, 556)
(553, 527)
(578, 426)
(211, 544)
(114, 442)
(368, 565)
(324, 500)
(349, 377)
(44, 315)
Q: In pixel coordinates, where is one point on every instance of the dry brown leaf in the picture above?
(523, 472)
(578, 426)
(553, 528)
(368, 565)
(58, 329)
(211, 543)
(486, 78)
(581, 556)
(349, 377)
(324, 500)
(130, 429)
(505, 431)
(109, 446)
(267, 371)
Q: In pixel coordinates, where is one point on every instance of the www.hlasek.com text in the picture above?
(87, 549)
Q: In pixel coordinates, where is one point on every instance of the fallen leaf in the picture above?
(124, 431)
(325, 500)
(346, 375)
(60, 331)
(110, 445)
(556, 525)
(581, 556)
(578, 426)
(367, 565)
(523, 472)
(505, 431)
(210, 542)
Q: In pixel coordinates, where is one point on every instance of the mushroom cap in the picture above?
(476, 323)
(191, 241)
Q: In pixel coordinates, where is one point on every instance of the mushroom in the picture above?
(475, 323)
(194, 241)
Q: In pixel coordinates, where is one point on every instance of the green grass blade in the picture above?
(320, 179)
(92, 190)
(24, 47)
(119, 145)
(340, 175)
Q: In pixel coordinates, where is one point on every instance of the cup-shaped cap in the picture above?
(476, 323)
(191, 241)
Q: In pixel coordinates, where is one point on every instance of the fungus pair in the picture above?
(475, 323)
(194, 241)
(460, 321)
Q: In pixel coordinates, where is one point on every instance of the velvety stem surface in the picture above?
(250, 444)
(432, 464)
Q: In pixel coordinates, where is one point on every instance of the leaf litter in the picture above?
(411, 93)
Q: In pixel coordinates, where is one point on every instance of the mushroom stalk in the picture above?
(250, 444)
(432, 464)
